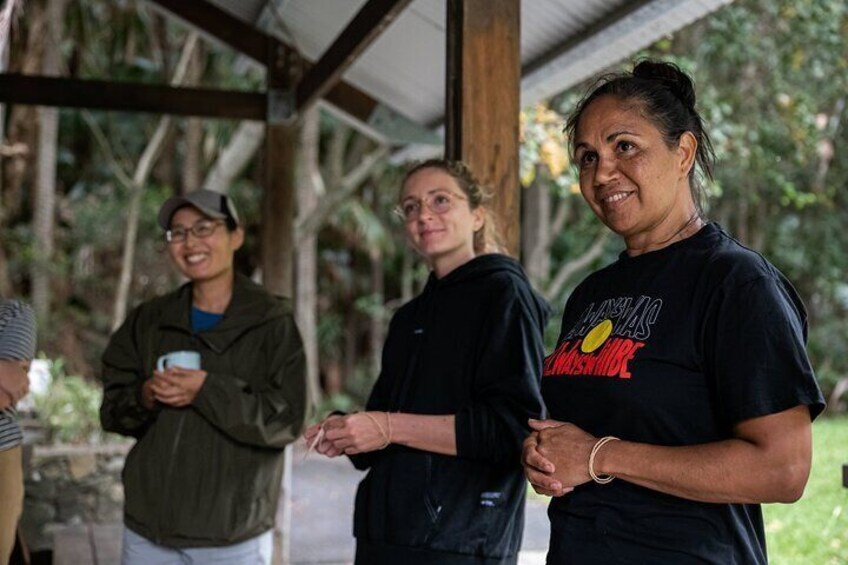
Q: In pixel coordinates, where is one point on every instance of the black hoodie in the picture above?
(471, 345)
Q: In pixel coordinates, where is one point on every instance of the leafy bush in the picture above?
(69, 407)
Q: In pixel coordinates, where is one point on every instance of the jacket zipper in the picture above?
(167, 489)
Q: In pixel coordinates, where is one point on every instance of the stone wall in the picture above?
(70, 485)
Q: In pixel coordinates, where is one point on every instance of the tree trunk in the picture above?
(5, 33)
(377, 331)
(535, 224)
(142, 171)
(376, 321)
(407, 274)
(351, 332)
(742, 219)
(45, 190)
(193, 164)
(22, 133)
(310, 185)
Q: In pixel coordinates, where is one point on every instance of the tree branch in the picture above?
(6, 16)
(309, 147)
(560, 216)
(349, 183)
(825, 147)
(243, 145)
(335, 153)
(139, 178)
(567, 270)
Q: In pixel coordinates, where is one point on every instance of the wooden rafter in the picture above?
(228, 29)
(361, 32)
(221, 25)
(132, 97)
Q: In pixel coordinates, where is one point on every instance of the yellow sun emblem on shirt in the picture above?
(596, 337)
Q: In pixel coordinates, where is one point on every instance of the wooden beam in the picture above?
(221, 25)
(365, 27)
(482, 101)
(257, 44)
(131, 97)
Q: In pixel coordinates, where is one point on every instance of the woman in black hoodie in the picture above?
(460, 377)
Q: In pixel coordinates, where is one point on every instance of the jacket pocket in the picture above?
(394, 503)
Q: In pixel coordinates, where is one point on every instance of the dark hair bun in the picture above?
(671, 76)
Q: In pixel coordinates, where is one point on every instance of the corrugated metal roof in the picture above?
(562, 43)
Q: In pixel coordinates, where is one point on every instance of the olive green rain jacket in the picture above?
(207, 474)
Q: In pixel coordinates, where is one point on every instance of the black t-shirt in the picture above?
(673, 347)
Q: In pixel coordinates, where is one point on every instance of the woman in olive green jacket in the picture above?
(202, 481)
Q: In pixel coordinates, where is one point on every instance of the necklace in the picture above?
(695, 217)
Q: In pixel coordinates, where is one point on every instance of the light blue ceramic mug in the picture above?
(181, 359)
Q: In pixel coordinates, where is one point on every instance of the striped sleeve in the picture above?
(17, 330)
(17, 342)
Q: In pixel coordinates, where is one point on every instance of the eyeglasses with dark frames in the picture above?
(201, 229)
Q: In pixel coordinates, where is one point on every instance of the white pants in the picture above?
(138, 550)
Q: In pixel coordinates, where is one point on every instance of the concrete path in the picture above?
(322, 514)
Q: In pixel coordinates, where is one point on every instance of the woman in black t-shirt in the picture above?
(681, 368)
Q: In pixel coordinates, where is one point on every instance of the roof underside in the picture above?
(562, 43)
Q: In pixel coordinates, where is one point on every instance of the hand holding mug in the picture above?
(177, 379)
(177, 387)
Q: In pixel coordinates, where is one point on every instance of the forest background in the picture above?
(79, 190)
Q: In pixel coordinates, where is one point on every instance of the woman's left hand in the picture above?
(177, 387)
(357, 433)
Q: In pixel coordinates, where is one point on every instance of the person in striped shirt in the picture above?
(17, 348)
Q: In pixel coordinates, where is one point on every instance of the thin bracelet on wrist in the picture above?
(600, 479)
(386, 437)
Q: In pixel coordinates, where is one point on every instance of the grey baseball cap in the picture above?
(213, 204)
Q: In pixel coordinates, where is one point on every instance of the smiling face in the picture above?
(203, 259)
(634, 182)
(445, 239)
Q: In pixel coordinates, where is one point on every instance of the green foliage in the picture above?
(373, 305)
(69, 408)
(340, 402)
(330, 333)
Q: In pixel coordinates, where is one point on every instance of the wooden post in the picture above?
(278, 204)
(277, 231)
(482, 101)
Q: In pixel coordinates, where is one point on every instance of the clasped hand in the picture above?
(174, 387)
(556, 456)
(349, 434)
